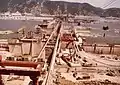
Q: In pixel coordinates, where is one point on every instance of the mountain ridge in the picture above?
(51, 7)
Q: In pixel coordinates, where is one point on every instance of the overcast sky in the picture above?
(97, 3)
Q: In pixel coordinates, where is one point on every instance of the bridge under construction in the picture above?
(54, 55)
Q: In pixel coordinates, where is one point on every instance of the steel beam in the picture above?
(48, 41)
(48, 79)
(22, 72)
(19, 63)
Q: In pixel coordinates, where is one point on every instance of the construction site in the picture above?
(55, 54)
(60, 49)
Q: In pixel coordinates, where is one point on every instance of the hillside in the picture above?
(51, 7)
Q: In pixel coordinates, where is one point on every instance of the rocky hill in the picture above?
(51, 7)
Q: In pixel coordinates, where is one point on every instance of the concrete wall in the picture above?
(16, 50)
(116, 50)
(105, 49)
(25, 48)
(36, 47)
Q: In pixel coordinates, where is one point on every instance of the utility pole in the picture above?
(10, 5)
(65, 8)
(58, 10)
(42, 4)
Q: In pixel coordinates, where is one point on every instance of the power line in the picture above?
(113, 2)
(110, 3)
(107, 3)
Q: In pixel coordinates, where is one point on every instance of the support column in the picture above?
(35, 80)
(95, 48)
(1, 82)
(110, 49)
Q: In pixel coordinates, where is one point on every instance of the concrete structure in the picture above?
(102, 49)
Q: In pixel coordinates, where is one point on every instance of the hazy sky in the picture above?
(97, 3)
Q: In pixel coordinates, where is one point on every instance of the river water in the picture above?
(97, 32)
(14, 25)
(113, 34)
